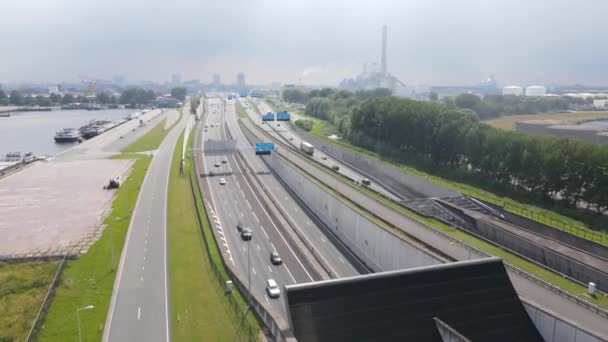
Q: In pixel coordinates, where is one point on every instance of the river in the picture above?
(34, 131)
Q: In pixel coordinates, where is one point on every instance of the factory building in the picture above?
(536, 91)
(513, 90)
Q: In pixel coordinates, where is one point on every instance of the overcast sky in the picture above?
(318, 41)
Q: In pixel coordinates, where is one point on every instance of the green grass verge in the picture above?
(200, 311)
(153, 138)
(323, 129)
(240, 111)
(508, 122)
(89, 280)
(149, 141)
(23, 286)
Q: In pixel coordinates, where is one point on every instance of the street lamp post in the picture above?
(89, 307)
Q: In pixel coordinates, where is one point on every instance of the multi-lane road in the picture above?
(139, 309)
(240, 201)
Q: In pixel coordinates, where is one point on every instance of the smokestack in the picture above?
(383, 60)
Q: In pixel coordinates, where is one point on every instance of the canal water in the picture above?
(34, 131)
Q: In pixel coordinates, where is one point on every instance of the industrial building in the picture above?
(536, 91)
(513, 90)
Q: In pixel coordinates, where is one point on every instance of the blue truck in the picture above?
(268, 116)
(283, 116)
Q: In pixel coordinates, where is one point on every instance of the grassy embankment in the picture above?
(508, 122)
(23, 286)
(152, 139)
(323, 129)
(240, 111)
(89, 280)
(200, 310)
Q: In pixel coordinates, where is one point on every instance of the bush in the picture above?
(304, 124)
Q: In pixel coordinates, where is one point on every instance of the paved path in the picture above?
(139, 309)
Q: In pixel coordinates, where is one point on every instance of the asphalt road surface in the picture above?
(139, 310)
(236, 203)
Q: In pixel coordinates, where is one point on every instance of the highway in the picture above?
(139, 309)
(526, 288)
(337, 258)
(236, 203)
(282, 130)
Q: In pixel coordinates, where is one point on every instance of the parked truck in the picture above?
(307, 148)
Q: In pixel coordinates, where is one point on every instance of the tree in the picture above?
(3, 98)
(433, 96)
(179, 93)
(16, 98)
(43, 101)
(67, 99)
(55, 98)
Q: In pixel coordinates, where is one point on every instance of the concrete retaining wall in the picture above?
(379, 249)
(406, 185)
(553, 233)
(554, 329)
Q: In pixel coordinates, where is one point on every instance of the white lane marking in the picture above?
(142, 268)
(244, 249)
(253, 269)
(139, 313)
(258, 246)
(268, 237)
(341, 260)
(142, 279)
(266, 297)
(269, 268)
(273, 247)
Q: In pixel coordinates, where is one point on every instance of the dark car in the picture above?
(275, 259)
(246, 234)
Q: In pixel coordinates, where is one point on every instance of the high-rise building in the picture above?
(176, 78)
(216, 81)
(240, 81)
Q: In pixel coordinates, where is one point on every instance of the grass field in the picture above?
(89, 280)
(508, 122)
(23, 286)
(200, 311)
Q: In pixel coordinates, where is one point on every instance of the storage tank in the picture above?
(513, 90)
(536, 91)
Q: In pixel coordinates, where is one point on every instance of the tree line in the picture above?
(333, 105)
(492, 106)
(130, 96)
(438, 137)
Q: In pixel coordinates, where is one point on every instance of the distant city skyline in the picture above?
(312, 42)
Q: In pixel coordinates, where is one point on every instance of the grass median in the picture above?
(153, 138)
(200, 310)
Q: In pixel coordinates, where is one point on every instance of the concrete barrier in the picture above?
(378, 248)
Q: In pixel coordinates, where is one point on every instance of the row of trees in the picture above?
(131, 96)
(454, 139)
(332, 104)
(492, 106)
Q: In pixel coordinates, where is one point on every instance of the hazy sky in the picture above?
(317, 41)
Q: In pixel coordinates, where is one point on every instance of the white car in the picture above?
(273, 289)
(222, 181)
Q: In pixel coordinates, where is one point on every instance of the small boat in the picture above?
(67, 135)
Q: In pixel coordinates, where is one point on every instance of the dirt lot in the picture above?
(57, 206)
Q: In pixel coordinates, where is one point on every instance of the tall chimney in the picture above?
(383, 60)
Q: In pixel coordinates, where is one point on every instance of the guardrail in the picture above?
(558, 290)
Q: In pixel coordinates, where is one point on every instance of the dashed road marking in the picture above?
(139, 313)
(269, 268)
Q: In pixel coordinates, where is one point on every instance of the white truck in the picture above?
(307, 148)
